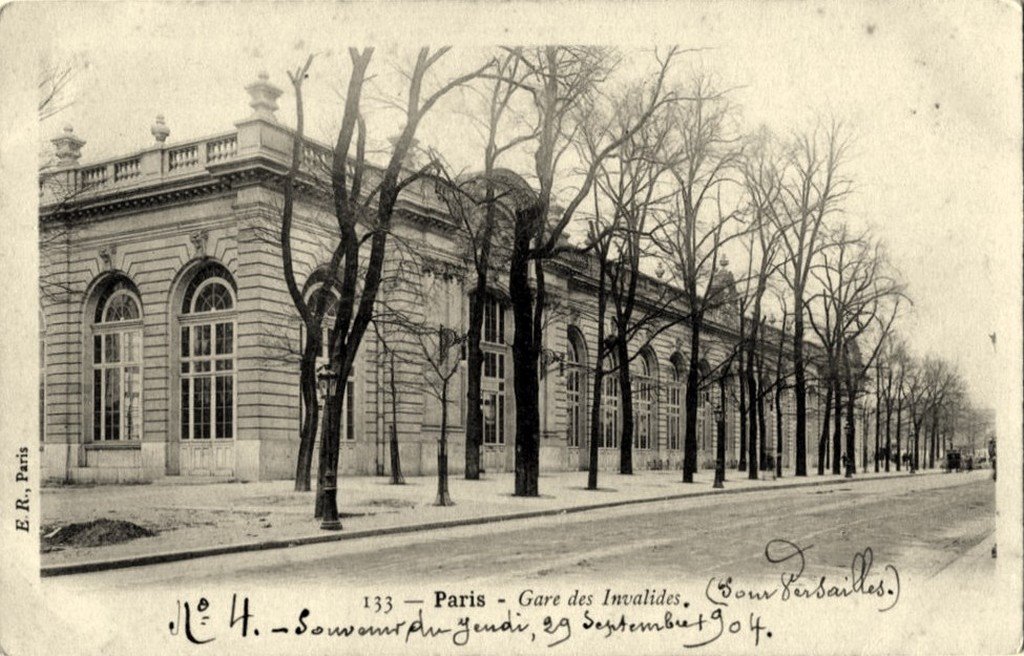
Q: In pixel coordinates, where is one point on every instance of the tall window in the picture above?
(207, 357)
(643, 404)
(493, 379)
(348, 402)
(116, 359)
(574, 390)
(610, 405)
(673, 407)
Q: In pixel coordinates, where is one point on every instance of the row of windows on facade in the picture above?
(646, 402)
(644, 394)
(206, 361)
(644, 397)
(207, 372)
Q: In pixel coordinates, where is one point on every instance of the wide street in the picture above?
(921, 524)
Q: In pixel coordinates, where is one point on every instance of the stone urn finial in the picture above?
(68, 147)
(263, 97)
(159, 129)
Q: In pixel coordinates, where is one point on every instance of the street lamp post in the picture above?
(328, 379)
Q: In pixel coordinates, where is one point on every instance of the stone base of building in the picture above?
(255, 460)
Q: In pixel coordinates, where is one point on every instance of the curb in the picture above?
(204, 552)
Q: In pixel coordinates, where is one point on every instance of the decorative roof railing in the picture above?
(254, 142)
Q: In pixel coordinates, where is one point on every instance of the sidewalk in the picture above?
(193, 520)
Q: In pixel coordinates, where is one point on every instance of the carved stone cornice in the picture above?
(443, 268)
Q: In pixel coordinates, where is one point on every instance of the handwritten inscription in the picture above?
(198, 622)
(553, 617)
(863, 579)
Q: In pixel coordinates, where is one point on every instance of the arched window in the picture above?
(643, 403)
(213, 296)
(674, 405)
(207, 356)
(116, 364)
(575, 388)
(610, 404)
(492, 383)
(330, 313)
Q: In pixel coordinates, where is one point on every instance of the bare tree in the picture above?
(813, 190)
(860, 299)
(892, 361)
(631, 183)
(440, 349)
(561, 81)
(54, 80)
(389, 362)
(692, 240)
(363, 218)
(482, 204)
(762, 185)
(602, 229)
(928, 383)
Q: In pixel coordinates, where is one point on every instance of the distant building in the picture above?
(169, 336)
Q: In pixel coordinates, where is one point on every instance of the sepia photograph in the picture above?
(520, 328)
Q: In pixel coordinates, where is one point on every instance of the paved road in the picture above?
(923, 523)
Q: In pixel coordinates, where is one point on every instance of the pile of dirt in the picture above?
(96, 533)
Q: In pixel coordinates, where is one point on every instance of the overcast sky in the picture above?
(931, 92)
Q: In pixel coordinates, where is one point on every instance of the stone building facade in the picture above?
(170, 341)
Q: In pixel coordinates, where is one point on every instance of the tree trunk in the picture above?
(525, 366)
(626, 396)
(864, 442)
(888, 434)
(837, 432)
(899, 433)
(474, 373)
(915, 459)
(933, 447)
(823, 439)
(762, 425)
(310, 415)
(742, 466)
(692, 384)
(878, 429)
(396, 461)
(752, 409)
(720, 436)
(443, 498)
(778, 432)
(851, 429)
(800, 385)
(595, 408)
(595, 429)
